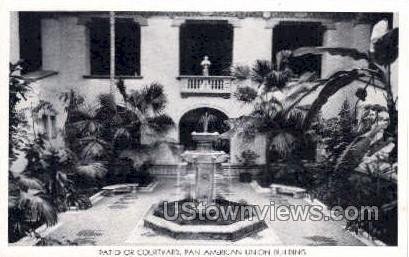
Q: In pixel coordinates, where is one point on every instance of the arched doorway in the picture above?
(190, 122)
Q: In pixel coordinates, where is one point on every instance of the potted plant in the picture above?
(247, 159)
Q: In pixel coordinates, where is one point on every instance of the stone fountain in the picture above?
(202, 192)
(205, 161)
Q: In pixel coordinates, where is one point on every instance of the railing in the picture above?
(206, 85)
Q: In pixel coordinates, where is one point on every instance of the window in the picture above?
(127, 47)
(205, 38)
(30, 41)
(292, 35)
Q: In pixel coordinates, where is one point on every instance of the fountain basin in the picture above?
(207, 215)
(197, 229)
(210, 157)
(176, 206)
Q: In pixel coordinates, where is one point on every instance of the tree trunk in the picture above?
(112, 54)
(267, 155)
(393, 116)
(391, 130)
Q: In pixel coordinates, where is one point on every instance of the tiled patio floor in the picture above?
(118, 220)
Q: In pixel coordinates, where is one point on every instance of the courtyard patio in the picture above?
(118, 220)
(290, 125)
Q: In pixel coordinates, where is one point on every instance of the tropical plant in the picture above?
(18, 88)
(28, 206)
(57, 169)
(102, 132)
(260, 86)
(145, 109)
(338, 133)
(377, 74)
(341, 187)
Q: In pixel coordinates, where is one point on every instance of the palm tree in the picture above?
(101, 132)
(269, 117)
(148, 104)
(28, 205)
(112, 54)
(56, 169)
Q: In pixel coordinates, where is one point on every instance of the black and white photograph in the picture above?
(203, 128)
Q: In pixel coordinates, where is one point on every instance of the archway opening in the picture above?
(190, 122)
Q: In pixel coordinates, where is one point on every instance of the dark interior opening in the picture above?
(30, 41)
(292, 35)
(127, 47)
(201, 38)
(190, 123)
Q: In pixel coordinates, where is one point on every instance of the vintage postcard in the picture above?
(204, 132)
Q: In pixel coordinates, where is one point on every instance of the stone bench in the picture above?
(121, 188)
(296, 192)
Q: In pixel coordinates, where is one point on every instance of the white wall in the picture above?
(14, 38)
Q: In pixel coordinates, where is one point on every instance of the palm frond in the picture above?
(245, 94)
(161, 123)
(241, 72)
(302, 89)
(308, 76)
(277, 79)
(244, 126)
(298, 95)
(85, 127)
(122, 133)
(352, 156)
(38, 207)
(336, 81)
(265, 111)
(93, 148)
(94, 170)
(120, 85)
(292, 121)
(136, 99)
(25, 182)
(283, 143)
(386, 48)
(341, 51)
(155, 97)
(107, 102)
(261, 70)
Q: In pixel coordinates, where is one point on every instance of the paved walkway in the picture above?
(118, 220)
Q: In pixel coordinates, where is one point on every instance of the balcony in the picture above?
(206, 86)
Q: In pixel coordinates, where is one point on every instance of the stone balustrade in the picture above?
(206, 85)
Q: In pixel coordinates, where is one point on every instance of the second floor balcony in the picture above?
(192, 85)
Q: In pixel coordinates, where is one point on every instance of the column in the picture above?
(14, 37)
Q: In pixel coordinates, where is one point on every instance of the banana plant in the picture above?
(377, 74)
(383, 52)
